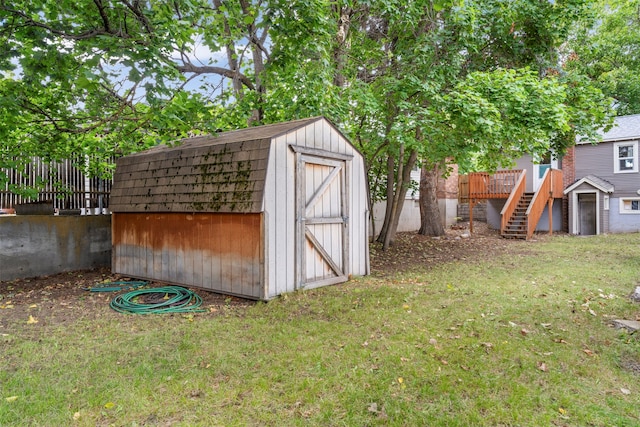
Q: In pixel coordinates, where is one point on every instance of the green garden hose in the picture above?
(167, 299)
(117, 286)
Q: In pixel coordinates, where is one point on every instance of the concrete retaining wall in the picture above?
(410, 216)
(37, 245)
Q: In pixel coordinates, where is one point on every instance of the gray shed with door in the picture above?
(255, 212)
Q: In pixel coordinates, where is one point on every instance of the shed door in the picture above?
(322, 226)
(587, 214)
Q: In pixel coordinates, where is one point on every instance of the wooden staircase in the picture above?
(521, 212)
(517, 224)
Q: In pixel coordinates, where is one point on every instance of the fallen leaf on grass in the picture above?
(562, 411)
(33, 306)
(109, 405)
(543, 367)
(11, 398)
(559, 341)
(373, 408)
(524, 332)
(588, 352)
(32, 320)
(76, 416)
(625, 391)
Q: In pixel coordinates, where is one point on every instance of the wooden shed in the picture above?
(255, 212)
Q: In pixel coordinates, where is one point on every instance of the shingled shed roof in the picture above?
(216, 173)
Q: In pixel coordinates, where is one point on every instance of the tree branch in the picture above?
(207, 69)
(103, 15)
(135, 9)
(88, 34)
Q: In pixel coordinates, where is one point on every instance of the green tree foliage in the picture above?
(606, 48)
(475, 82)
(109, 77)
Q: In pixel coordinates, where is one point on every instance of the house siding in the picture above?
(526, 163)
(543, 223)
(605, 216)
(494, 207)
(598, 160)
(622, 223)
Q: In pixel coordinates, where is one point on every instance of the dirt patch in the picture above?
(631, 363)
(63, 298)
(411, 251)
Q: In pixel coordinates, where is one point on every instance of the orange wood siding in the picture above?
(216, 251)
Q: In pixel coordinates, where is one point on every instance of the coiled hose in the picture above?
(167, 299)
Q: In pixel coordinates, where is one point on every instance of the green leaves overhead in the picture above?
(443, 79)
(606, 48)
(501, 114)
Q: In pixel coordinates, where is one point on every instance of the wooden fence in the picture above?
(62, 183)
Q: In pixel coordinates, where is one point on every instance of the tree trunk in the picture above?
(395, 203)
(339, 56)
(389, 198)
(430, 221)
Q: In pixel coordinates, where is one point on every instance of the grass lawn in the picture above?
(523, 339)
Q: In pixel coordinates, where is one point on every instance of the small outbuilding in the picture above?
(255, 212)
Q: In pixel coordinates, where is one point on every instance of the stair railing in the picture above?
(510, 206)
(557, 190)
(550, 188)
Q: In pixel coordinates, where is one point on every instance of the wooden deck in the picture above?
(510, 185)
(482, 185)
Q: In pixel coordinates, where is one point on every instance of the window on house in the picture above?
(625, 156)
(630, 206)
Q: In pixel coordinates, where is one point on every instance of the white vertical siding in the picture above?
(279, 205)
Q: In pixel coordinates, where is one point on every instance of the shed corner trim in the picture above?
(320, 153)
